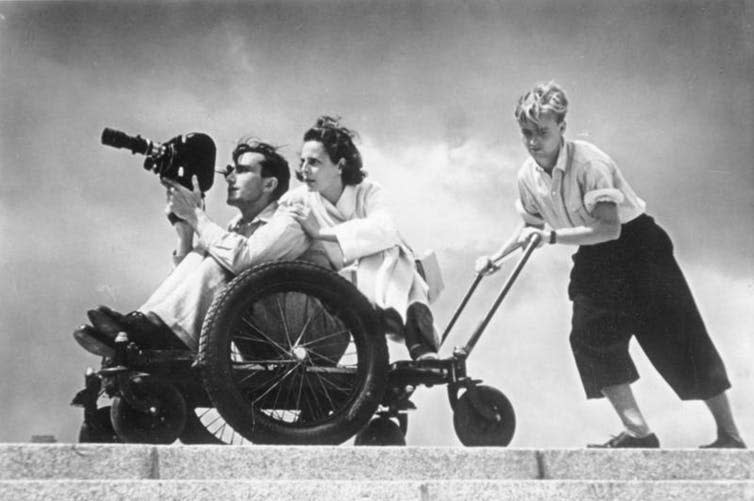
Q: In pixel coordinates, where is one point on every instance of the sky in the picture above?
(663, 87)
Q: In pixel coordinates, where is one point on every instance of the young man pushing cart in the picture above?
(625, 280)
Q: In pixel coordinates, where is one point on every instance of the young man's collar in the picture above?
(562, 162)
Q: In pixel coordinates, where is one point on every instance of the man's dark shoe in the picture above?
(94, 341)
(139, 329)
(137, 321)
(105, 324)
(111, 313)
(725, 441)
(151, 331)
(624, 441)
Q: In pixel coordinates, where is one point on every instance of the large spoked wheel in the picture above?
(160, 421)
(381, 431)
(204, 425)
(484, 416)
(293, 353)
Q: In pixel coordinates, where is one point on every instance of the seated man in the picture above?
(172, 317)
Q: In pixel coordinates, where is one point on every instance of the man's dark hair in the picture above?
(338, 142)
(273, 164)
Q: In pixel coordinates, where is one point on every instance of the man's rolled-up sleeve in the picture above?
(599, 185)
(282, 238)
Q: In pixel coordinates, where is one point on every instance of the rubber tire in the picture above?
(353, 309)
(135, 426)
(474, 422)
(381, 431)
(99, 429)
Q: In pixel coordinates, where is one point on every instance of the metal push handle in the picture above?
(477, 279)
(465, 300)
(530, 246)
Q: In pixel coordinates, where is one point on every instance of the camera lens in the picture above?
(118, 139)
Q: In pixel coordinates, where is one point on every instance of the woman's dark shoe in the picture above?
(725, 441)
(94, 341)
(419, 331)
(625, 441)
(421, 352)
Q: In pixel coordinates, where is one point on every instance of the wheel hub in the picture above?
(299, 353)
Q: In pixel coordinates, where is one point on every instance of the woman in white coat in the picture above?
(346, 214)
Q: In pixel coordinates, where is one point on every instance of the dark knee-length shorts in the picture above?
(633, 286)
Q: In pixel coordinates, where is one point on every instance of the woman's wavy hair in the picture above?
(338, 142)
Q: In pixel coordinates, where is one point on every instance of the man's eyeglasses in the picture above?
(229, 169)
(250, 146)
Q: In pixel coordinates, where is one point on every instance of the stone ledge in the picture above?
(648, 464)
(352, 463)
(80, 461)
(117, 461)
(452, 490)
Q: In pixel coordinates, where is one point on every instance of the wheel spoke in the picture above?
(315, 398)
(327, 393)
(265, 336)
(320, 339)
(249, 376)
(277, 398)
(300, 390)
(309, 320)
(275, 384)
(312, 408)
(323, 357)
(342, 389)
(258, 365)
(282, 321)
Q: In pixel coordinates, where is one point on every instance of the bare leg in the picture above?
(624, 403)
(720, 409)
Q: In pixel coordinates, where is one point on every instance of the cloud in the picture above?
(447, 198)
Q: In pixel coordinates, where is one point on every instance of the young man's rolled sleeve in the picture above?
(592, 198)
(598, 184)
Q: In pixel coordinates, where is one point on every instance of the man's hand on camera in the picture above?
(184, 230)
(183, 202)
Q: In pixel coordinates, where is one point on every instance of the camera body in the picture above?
(180, 158)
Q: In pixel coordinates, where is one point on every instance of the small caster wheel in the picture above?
(484, 417)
